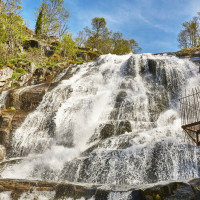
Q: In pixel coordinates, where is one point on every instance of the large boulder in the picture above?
(5, 74)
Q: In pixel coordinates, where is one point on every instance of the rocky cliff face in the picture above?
(17, 102)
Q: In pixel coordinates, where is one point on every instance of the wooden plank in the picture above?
(192, 124)
(191, 136)
(190, 129)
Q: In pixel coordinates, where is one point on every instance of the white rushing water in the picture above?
(3, 96)
(76, 133)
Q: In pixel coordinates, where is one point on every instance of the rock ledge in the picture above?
(179, 190)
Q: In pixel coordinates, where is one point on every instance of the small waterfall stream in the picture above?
(3, 99)
(115, 121)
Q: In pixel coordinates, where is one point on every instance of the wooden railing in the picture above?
(190, 114)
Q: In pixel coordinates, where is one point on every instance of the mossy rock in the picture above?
(189, 52)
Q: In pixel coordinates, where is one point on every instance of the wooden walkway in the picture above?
(190, 114)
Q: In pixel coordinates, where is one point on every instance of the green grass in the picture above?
(17, 60)
(15, 76)
(20, 70)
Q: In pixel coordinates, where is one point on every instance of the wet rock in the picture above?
(5, 128)
(107, 131)
(129, 68)
(10, 120)
(120, 98)
(28, 98)
(169, 191)
(124, 145)
(187, 190)
(2, 152)
(124, 126)
(22, 101)
(152, 66)
(195, 184)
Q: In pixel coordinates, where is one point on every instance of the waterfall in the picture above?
(3, 96)
(115, 120)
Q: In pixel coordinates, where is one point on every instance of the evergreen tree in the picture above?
(38, 26)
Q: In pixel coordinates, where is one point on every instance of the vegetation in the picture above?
(101, 38)
(12, 28)
(52, 18)
(68, 46)
(51, 42)
(189, 36)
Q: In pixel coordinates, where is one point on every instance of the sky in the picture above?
(154, 24)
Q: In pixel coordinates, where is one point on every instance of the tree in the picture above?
(68, 46)
(98, 25)
(102, 39)
(12, 28)
(52, 18)
(82, 38)
(135, 48)
(122, 46)
(189, 35)
(99, 37)
(183, 39)
(39, 22)
(192, 30)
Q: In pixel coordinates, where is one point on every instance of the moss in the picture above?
(15, 76)
(14, 85)
(12, 108)
(18, 60)
(158, 197)
(188, 51)
(71, 62)
(20, 70)
(10, 65)
(79, 60)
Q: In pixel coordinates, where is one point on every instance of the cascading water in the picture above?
(3, 96)
(114, 121)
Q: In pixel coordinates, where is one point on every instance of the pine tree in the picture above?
(38, 27)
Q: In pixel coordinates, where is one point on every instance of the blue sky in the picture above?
(154, 24)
